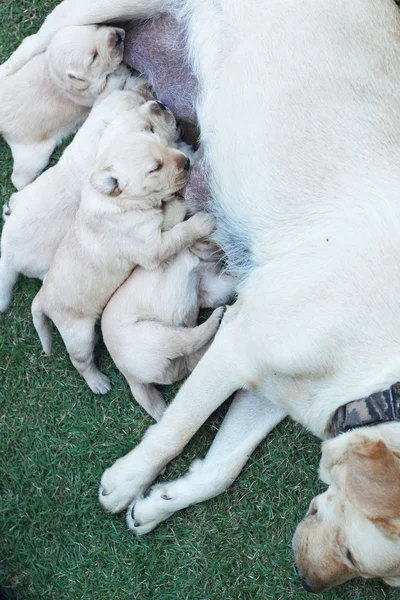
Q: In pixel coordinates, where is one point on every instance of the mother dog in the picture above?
(300, 121)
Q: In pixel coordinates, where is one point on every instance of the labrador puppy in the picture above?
(42, 213)
(309, 220)
(150, 324)
(51, 96)
(117, 226)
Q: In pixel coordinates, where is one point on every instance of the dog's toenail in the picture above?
(165, 497)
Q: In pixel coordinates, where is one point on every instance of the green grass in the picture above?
(56, 438)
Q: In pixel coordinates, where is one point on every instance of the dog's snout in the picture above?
(310, 587)
(187, 165)
(161, 105)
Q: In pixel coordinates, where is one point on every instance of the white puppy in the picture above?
(42, 213)
(149, 325)
(52, 94)
(118, 226)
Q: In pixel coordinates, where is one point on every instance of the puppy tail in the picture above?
(8, 277)
(148, 397)
(42, 326)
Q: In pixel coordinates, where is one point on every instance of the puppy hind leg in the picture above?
(79, 340)
(249, 420)
(29, 162)
(42, 325)
(8, 278)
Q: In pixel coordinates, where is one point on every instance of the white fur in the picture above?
(300, 124)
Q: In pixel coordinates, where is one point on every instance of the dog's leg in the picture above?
(216, 377)
(79, 12)
(249, 420)
(8, 278)
(216, 289)
(79, 339)
(29, 161)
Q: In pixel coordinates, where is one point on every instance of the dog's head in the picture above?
(81, 58)
(139, 168)
(160, 120)
(352, 529)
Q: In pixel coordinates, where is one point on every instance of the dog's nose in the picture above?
(187, 165)
(309, 587)
(161, 105)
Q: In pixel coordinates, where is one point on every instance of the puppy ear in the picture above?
(373, 484)
(105, 183)
(76, 82)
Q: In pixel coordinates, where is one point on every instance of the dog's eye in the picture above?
(151, 129)
(95, 55)
(349, 557)
(157, 168)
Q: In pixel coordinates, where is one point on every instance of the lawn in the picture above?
(56, 438)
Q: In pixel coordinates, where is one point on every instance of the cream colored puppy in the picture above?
(52, 94)
(118, 226)
(149, 325)
(42, 213)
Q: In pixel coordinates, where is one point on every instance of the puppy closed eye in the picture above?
(94, 56)
(350, 558)
(158, 167)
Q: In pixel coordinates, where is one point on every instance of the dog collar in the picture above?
(381, 407)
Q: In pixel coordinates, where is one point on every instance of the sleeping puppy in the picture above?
(42, 213)
(52, 94)
(118, 226)
(149, 325)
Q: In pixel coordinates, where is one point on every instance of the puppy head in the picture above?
(352, 529)
(139, 169)
(81, 58)
(160, 120)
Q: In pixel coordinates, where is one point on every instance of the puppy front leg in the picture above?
(184, 235)
(174, 212)
(79, 12)
(29, 161)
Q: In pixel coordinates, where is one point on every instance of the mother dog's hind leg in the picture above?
(218, 374)
(249, 420)
(79, 12)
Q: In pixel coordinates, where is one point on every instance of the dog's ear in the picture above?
(77, 82)
(105, 182)
(373, 484)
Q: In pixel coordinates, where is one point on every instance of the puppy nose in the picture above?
(187, 165)
(161, 105)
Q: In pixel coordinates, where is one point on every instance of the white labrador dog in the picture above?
(118, 225)
(50, 97)
(42, 213)
(309, 219)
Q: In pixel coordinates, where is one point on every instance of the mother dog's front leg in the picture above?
(79, 12)
(216, 377)
(249, 420)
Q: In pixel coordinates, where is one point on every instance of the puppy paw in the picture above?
(99, 383)
(123, 482)
(204, 223)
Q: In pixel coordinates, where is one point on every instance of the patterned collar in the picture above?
(373, 410)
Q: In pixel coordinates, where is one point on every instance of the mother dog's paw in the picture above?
(144, 514)
(124, 481)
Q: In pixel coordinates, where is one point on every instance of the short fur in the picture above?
(51, 96)
(117, 226)
(42, 213)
